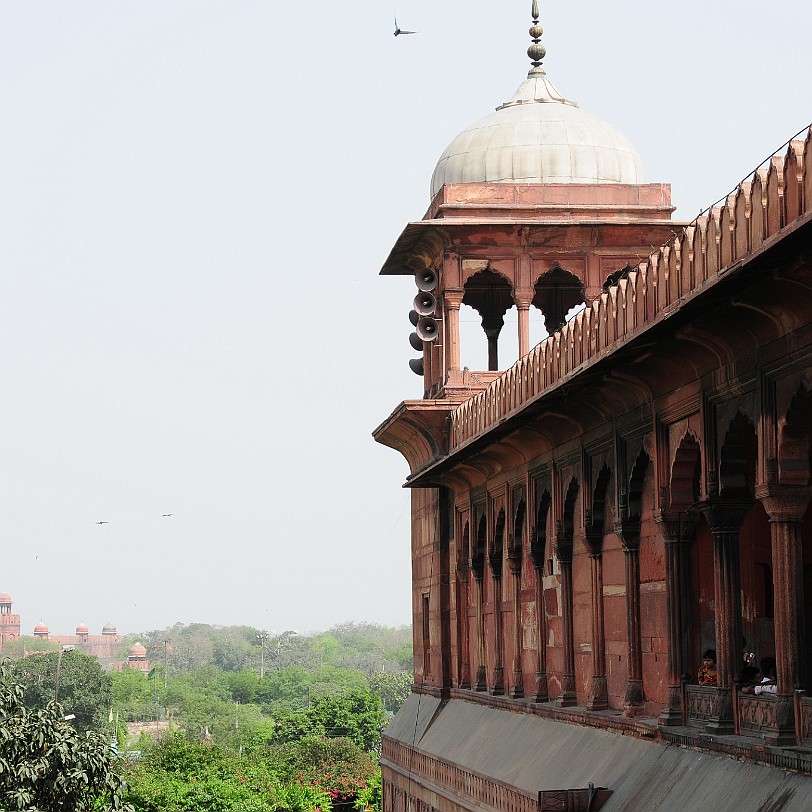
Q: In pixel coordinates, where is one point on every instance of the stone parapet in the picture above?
(777, 199)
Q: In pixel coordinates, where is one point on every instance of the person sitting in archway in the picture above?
(749, 677)
(766, 683)
(707, 673)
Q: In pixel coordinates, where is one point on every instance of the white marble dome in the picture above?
(539, 137)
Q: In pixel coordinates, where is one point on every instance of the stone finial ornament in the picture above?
(536, 51)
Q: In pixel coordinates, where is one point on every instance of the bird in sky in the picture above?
(399, 30)
(164, 515)
(102, 522)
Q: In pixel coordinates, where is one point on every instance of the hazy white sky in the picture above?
(195, 200)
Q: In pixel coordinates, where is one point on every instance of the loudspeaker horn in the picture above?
(416, 366)
(416, 341)
(428, 329)
(424, 303)
(414, 317)
(425, 280)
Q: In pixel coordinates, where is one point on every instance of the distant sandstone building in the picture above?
(105, 647)
(9, 622)
(634, 490)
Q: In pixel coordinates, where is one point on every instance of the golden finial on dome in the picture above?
(536, 51)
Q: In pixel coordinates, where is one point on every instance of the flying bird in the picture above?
(399, 31)
(164, 515)
(102, 522)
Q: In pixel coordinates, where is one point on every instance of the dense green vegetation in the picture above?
(46, 763)
(232, 718)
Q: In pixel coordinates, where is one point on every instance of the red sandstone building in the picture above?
(105, 647)
(632, 491)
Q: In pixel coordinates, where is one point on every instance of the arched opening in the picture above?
(805, 624)
(516, 545)
(491, 295)
(540, 555)
(556, 293)
(693, 599)
(794, 447)
(795, 469)
(737, 462)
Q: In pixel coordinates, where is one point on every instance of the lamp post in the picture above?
(262, 637)
(62, 650)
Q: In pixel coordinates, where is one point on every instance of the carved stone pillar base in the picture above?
(599, 699)
(498, 682)
(671, 714)
(783, 733)
(567, 697)
(540, 693)
(633, 701)
(722, 722)
(517, 691)
(481, 683)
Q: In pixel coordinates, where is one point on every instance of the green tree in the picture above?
(84, 689)
(47, 764)
(132, 692)
(15, 649)
(356, 715)
(338, 766)
(393, 689)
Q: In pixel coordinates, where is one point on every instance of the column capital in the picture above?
(628, 530)
(784, 503)
(453, 297)
(563, 543)
(677, 526)
(725, 515)
(523, 299)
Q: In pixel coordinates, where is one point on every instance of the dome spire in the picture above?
(536, 51)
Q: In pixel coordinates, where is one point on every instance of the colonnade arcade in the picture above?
(492, 294)
(599, 576)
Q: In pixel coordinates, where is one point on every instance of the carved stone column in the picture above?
(629, 532)
(785, 507)
(481, 683)
(598, 691)
(463, 645)
(523, 302)
(517, 682)
(498, 674)
(564, 554)
(678, 533)
(452, 300)
(540, 693)
(725, 518)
